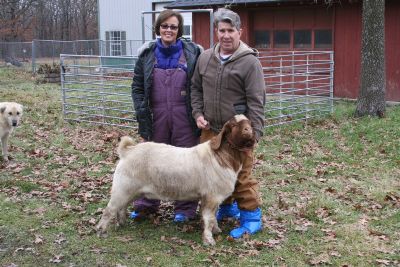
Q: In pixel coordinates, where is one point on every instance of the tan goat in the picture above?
(207, 172)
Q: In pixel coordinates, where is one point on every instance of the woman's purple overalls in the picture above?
(170, 125)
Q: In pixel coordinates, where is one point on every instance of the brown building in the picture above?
(286, 25)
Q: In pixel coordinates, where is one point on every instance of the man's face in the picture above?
(228, 37)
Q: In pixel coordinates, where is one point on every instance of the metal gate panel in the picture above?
(97, 89)
(299, 85)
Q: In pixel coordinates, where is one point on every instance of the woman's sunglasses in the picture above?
(166, 26)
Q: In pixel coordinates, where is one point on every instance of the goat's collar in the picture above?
(234, 146)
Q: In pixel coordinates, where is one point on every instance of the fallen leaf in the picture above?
(56, 258)
(60, 239)
(125, 239)
(38, 239)
(335, 253)
(383, 262)
(320, 259)
(93, 221)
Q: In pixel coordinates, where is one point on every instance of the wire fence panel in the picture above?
(97, 89)
(18, 54)
(299, 85)
(120, 47)
(30, 55)
(46, 51)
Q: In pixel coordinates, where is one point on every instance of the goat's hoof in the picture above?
(209, 241)
(101, 230)
(102, 234)
(216, 230)
(121, 222)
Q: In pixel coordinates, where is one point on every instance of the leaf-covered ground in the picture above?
(331, 192)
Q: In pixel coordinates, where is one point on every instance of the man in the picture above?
(228, 80)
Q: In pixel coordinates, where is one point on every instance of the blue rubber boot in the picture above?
(141, 215)
(228, 211)
(250, 222)
(134, 215)
(180, 218)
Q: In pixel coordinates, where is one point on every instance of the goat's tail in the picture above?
(123, 146)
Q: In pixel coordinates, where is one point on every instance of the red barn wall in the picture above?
(392, 49)
(347, 51)
(201, 29)
(345, 20)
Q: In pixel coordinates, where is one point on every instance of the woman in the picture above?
(161, 96)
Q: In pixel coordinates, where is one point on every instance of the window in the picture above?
(302, 39)
(187, 30)
(293, 39)
(116, 43)
(282, 39)
(323, 38)
(262, 39)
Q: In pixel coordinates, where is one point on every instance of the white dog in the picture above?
(10, 117)
(207, 172)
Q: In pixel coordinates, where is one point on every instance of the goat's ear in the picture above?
(216, 141)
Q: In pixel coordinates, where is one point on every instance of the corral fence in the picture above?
(29, 55)
(299, 85)
(96, 89)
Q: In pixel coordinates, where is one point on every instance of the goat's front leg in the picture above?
(116, 207)
(208, 210)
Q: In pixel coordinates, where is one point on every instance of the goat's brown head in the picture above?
(237, 132)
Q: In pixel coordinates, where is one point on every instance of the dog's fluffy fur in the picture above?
(207, 172)
(10, 117)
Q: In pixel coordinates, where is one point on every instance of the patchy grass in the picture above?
(330, 190)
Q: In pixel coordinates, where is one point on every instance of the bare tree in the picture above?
(85, 19)
(15, 19)
(371, 99)
(24, 20)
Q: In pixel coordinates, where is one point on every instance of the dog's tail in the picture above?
(124, 145)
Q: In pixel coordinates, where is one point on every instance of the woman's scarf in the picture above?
(168, 57)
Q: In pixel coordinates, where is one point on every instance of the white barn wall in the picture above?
(126, 15)
(123, 15)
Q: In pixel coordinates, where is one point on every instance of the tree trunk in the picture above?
(371, 99)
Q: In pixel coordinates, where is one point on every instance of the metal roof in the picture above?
(204, 3)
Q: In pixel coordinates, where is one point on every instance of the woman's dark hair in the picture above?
(166, 14)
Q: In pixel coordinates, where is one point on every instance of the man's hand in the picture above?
(202, 123)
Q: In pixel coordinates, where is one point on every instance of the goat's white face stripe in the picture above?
(240, 117)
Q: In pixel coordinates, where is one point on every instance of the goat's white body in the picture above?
(165, 172)
(160, 171)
